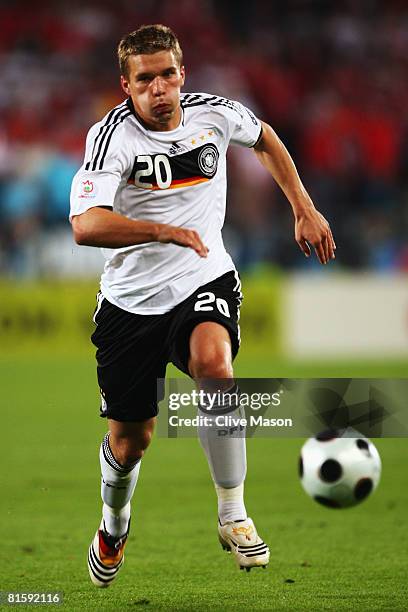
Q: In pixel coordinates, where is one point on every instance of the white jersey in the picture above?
(176, 177)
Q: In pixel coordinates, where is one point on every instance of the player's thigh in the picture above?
(208, 322)
(210, 351)
(131, 358)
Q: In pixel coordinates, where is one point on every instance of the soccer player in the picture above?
(151, 192)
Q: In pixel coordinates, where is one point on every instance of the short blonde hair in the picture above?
(148, 39)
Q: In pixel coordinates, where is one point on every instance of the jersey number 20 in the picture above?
(160, 167)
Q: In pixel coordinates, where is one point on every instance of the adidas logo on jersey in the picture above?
(176, 149)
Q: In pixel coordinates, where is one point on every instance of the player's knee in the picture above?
(211, 364)
(144, 439)
(126, 455)
(128, 450)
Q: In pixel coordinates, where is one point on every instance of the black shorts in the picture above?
(133, 350)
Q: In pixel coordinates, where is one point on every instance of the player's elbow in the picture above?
(81, 231)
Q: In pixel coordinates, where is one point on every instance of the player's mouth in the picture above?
(163, 107)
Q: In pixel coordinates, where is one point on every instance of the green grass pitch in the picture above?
(50, 507)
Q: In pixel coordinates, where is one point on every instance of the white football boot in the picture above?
(241, 539)
(105, 557)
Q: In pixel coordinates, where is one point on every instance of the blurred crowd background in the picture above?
(331, 78)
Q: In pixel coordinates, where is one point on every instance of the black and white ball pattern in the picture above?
(339, 468)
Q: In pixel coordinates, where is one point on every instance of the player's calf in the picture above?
(106, 552)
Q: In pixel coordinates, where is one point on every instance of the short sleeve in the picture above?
(96, 182)
(245, 128)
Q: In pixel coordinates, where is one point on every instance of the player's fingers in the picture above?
(318, 247)
(326, 248)
(201, 250)
(304, 247)
(330, 233)
(332, 247)
(196, 243)
(332, 244)
(332, 239)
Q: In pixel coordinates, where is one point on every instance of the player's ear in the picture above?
(182, 75)
(125, 84)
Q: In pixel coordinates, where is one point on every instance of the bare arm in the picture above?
(101, 227)
(310, 225)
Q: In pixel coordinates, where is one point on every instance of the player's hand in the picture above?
(182, 237)
(312, 228)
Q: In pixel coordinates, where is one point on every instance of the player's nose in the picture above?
(158, 86)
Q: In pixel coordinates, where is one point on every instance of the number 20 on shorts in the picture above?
(206, 301)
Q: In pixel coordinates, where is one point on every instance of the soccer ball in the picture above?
(339, 469)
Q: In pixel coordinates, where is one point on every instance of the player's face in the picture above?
(153, 82)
